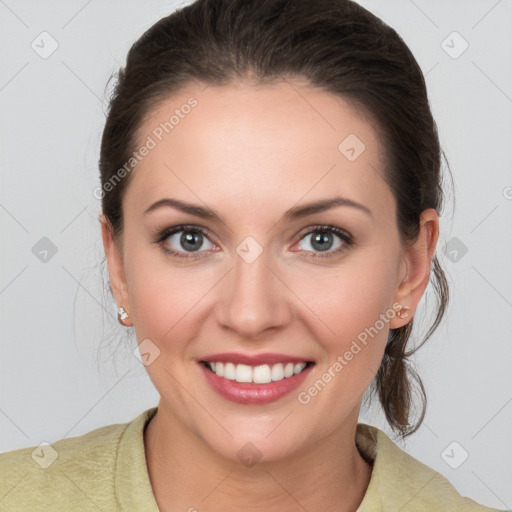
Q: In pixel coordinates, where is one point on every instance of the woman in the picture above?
(270, 185)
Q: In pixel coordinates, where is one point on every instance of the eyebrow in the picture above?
(297, 212)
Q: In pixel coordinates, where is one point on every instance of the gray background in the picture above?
(67, 366)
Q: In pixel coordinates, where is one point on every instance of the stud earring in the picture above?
(403, 312)
(121, 315)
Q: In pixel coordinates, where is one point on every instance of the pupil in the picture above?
(187, 240)
(322, 240)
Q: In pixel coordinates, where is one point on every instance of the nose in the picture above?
(254, 298)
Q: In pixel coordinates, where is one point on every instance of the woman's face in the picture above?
(267, 283)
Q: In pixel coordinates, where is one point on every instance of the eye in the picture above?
(183, 240)
(329, 241)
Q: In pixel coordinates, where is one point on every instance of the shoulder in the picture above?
(75, 473)
(401, 482)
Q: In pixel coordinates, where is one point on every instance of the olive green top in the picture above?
(106, 470)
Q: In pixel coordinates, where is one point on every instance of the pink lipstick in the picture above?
(256, 378)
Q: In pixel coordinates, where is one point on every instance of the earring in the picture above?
(403, 312)
(121, 315)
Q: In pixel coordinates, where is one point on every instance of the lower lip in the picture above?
(249, 393)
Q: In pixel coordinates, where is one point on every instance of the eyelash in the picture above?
(347, 239)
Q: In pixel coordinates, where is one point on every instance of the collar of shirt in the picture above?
(398, 480)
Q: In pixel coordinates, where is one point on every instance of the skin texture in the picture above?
(250, 153)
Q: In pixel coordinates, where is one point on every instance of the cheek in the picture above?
(163, 297)
(348, 300)
(357, 311)
(352, 310)
(335, 304)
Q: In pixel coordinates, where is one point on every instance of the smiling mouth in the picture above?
(259, 374)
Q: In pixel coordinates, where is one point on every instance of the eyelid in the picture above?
(163, 234)
(347, 239)
(325, 227)
(160, 236)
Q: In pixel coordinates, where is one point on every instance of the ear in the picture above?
(417, 259)
(115, 268)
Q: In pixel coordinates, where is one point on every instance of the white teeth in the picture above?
(288, 370)
(243, 373)
(261, 374)
(277, 372)
(298, 368)
(229, 371)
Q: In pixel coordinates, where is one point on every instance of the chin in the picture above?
(249, 450)
(251, 441)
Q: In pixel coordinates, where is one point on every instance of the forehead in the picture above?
(251, 145)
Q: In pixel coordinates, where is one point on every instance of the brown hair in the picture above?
(336, 45)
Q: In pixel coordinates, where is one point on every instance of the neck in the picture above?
(187, 475)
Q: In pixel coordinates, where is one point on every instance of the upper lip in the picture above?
(253, 359)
